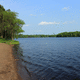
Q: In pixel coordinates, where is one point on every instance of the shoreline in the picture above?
(8, 65)
(21, 69)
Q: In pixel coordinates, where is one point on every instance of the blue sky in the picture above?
(46, 16)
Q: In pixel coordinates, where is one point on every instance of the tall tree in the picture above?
(10, 25)
(1, 20)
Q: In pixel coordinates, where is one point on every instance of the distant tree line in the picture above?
(10, 25)
(28, 36)
(64, 34)
(69, 34)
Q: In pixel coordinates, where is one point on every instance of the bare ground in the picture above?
(8, 67)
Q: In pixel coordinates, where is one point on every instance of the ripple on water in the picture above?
(58, 59)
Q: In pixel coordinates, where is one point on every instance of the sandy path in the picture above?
(8, 68)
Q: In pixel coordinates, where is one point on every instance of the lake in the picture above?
(49, 58)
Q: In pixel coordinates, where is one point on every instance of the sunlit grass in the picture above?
(2, 40)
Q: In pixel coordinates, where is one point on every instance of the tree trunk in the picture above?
(5, 33)
(1, 35)
(12, 36)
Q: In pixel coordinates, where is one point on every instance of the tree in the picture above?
(2, 8)
(10, 25)
(17, 27)
(1, 19)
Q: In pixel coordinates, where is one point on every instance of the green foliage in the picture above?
(28, 36)
(10, 26)
(2, 8)
(69, 34)
(3, 40)
(64, 34)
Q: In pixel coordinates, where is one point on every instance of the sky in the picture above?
(46, 16)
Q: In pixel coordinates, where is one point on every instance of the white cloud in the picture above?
(65, 8)
(32, 15)
(46, 23)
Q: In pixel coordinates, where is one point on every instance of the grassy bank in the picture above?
(2, 40)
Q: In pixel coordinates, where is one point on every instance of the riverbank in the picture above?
(3, 40)
(8, 66)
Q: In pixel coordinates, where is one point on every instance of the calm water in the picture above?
(51, 58)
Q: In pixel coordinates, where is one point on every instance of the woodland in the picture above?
(10, 25)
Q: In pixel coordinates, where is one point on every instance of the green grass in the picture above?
(2, 40)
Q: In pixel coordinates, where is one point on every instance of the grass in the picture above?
(2, 40)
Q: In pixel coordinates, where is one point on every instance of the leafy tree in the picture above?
(1, 19)
(10, 26)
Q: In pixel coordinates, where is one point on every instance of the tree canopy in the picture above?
(10, 25)
(69, 34)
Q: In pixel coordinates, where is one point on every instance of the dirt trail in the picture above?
(8, 68)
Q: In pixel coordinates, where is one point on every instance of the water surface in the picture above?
(50, 58)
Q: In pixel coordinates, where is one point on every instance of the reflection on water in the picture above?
(49, 58)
